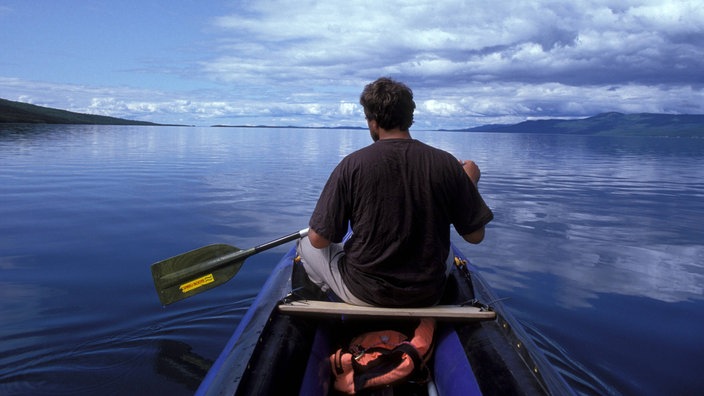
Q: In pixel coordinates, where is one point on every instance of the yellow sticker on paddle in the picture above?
(194, 284)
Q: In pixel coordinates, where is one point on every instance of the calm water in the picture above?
(598, 244)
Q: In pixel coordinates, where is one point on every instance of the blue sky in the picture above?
(305, 62)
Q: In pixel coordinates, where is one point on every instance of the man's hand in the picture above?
(472, 170)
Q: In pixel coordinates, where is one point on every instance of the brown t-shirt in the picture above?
(399, 196)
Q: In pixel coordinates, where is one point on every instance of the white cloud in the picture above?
(546, 41)
(349, 109)
(468, 105)
(445, 109)
(467, 62)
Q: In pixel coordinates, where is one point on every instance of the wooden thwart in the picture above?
(442, 312)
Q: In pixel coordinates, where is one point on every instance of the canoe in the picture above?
(273, 352)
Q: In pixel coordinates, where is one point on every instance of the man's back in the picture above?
(400, 197)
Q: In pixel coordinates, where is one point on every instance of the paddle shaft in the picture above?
(276, 242)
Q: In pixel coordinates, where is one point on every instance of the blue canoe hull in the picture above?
(275, 354)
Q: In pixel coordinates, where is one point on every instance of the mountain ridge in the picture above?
(608, 124)
(12, 112)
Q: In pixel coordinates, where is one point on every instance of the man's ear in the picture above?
(373, 125)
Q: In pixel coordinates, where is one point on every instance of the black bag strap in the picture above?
(388, 361)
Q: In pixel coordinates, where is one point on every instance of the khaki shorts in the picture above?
(323, 268)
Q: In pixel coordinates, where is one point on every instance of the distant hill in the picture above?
(287, 127)
(611, 124)
(24, 113)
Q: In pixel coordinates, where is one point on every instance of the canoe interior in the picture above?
(277, 354)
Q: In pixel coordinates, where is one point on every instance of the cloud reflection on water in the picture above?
(603, 218)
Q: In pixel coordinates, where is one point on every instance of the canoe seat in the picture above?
(440, 312)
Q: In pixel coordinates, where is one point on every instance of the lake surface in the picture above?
(597, 243)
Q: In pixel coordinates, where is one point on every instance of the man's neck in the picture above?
(393, 134)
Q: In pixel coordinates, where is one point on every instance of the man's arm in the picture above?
(317, 240)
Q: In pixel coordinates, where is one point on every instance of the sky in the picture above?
(304, 63)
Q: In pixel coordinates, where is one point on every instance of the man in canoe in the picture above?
(399, 196)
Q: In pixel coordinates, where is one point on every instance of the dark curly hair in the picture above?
(389, 103)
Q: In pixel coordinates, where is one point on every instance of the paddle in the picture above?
(202, 269)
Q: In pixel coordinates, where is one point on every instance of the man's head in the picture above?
(389, 103)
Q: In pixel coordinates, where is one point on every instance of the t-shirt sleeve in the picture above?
(331, 215)
(471, 212)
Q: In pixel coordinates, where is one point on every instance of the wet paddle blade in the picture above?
(197, 271)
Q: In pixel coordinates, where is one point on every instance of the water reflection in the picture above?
(178, 362)
(624, 223)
